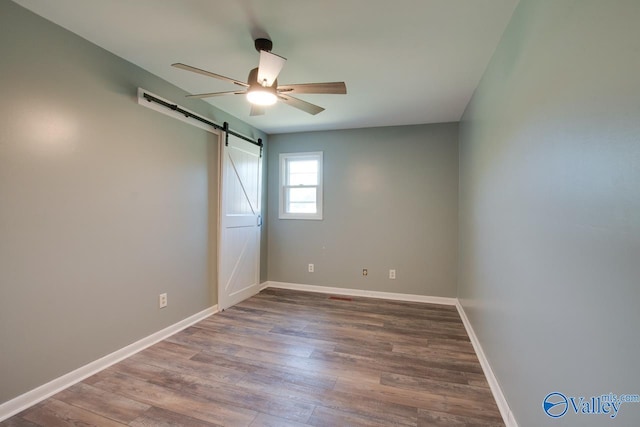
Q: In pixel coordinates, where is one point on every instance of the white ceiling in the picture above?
(404, 61)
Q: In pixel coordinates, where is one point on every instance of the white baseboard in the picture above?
(38, 394)
(361, 293)
(501, 401)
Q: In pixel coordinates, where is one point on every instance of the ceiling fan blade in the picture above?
(300, 104)
(331, 87)
(269, 67)
(208, 74)
(257, 110)
(212, 94)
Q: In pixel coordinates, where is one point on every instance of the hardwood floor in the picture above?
(288, 358)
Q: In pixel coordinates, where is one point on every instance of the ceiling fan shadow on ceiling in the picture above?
(262, 89)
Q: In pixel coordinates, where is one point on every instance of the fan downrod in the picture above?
(263, 44)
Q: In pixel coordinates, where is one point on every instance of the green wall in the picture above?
(550, 207)
(390, 202)
(104, 204)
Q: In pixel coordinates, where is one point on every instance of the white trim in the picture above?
(40, 393)
(501, 401)
(361, 293)
(168, 112)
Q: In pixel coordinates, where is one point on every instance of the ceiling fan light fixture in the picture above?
(262, 96)
(258, 93)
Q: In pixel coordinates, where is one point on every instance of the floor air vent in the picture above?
(340, 298)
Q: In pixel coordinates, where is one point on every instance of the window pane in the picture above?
(301, 200)
(302, 208)
(302, 195)
(302, 172)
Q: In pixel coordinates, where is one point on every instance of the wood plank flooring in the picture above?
(288, 358)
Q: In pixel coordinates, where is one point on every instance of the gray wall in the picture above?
(390, 201)
(103, 204)
(550, 207)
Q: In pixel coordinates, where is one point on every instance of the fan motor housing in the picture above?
(263, 44)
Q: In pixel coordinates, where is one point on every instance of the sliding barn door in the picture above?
(240, 222)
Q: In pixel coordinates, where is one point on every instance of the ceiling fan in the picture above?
(262, 87)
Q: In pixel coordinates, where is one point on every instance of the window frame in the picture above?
(283, 186)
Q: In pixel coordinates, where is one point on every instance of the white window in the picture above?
(301, 185)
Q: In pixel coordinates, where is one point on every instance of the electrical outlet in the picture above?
(392, 274)
(311, 268)
(162, 301)
(365, 272)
